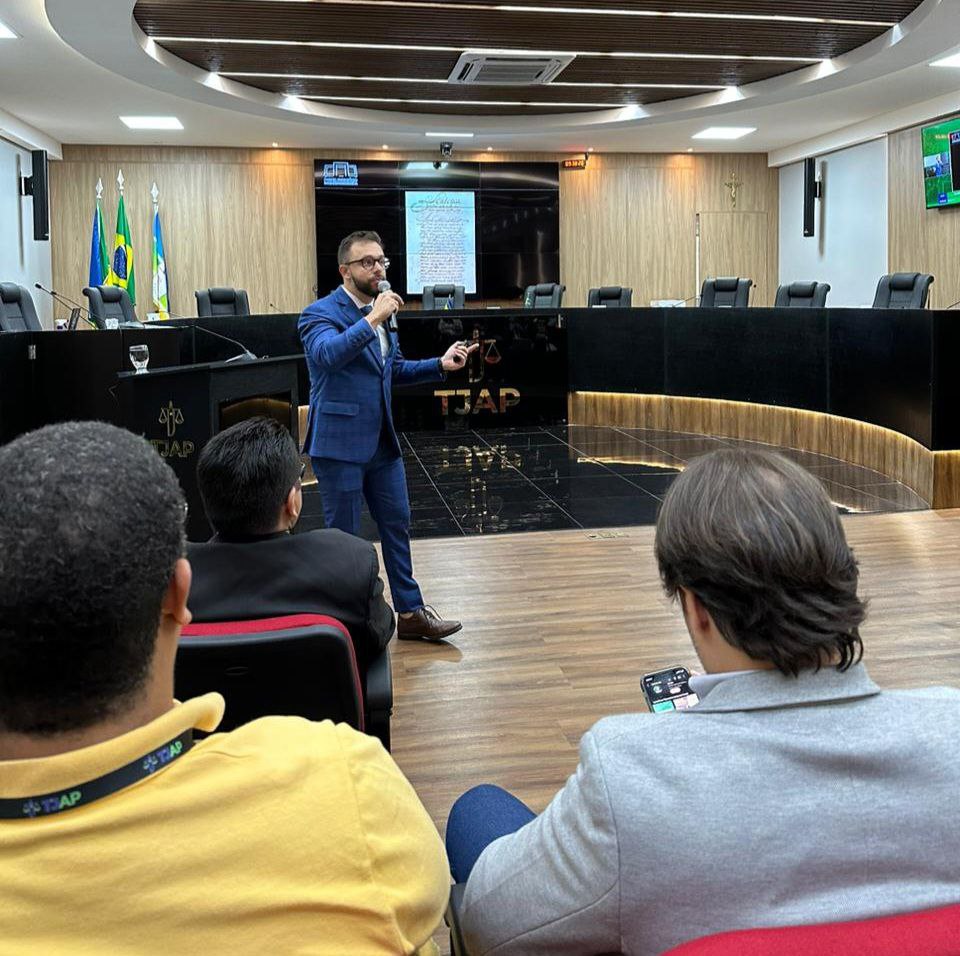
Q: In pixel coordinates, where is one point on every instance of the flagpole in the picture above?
(160, 289)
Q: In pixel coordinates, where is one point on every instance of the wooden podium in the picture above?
(178, 410)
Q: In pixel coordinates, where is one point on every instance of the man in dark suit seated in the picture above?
(249, 477)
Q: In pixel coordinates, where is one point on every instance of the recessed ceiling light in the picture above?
(443, 135)
(953, 61)
(725, 132)
(6, 33)
(384, 146)
(489, 149)
(590, 149)
(274, 145)
(151, 122)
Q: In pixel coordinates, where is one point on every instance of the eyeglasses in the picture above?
(368, 262)
(303, 470)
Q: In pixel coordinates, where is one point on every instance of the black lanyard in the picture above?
(48, 804)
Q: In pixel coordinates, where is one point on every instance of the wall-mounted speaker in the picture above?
(811, 193)
(37, 185)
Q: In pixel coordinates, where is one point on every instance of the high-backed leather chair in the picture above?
(299, 664)
(612, 296)
(802, 295)
(443, 297)
(110, 302)
(222, 301)
(546, 295)
(725, 292)
(17, 312)
(903, 290)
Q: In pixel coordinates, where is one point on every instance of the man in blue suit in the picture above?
(354, 361)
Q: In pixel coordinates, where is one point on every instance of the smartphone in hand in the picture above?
(668, 690)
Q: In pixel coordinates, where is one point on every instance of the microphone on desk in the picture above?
(951, 306)
(384, 286)
(683, 302)
(65, 301)
(270, 305)
(245, 356)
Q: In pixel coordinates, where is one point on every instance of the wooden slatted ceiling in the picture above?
(476, 23)
(394, 63)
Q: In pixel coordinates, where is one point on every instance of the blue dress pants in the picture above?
(382, 481)
(479, 817)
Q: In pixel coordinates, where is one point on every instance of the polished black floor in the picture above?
(577, 476)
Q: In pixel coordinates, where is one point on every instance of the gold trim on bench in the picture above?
(935, 476)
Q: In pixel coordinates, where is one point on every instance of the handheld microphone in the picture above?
(245, 356)
(64, 301)
(384, 286)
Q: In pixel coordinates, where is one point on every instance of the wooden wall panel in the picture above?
(920, 239)
(629, 221)
(244, 217)
(735, 244)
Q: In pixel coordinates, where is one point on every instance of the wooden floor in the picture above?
(558, 628)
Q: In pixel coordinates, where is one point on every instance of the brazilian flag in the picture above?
(99, 257)
(121, 267)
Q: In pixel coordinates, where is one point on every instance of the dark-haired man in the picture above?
(249, 477)
(120, 833)
(796, 791)
(354, 361)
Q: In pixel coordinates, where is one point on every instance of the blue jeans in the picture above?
(479, 817)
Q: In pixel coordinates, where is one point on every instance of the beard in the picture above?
(368, 285)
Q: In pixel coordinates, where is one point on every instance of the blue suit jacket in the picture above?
(350, 385)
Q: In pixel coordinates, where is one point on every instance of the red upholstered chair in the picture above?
(931, 932)
(301, 664)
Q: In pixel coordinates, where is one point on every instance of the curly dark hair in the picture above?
(756, 538)
(91, 526)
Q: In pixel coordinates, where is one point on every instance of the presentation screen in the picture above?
(941, 163)
(492, 227)
(441, 239)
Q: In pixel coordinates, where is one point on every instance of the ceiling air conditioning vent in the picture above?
(506, 70)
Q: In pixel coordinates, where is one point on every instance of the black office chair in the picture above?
(17, 311)
(443, 297)
(221, 301)
(725, 292)
(611, 296)
(903, 290)
(546, 295)
(300, 664)
(110, 302)
(802, 295)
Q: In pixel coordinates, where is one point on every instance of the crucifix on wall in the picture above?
(734, 186)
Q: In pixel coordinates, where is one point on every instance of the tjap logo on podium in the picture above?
(172, 417)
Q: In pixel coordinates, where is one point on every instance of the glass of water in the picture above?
(140, 357)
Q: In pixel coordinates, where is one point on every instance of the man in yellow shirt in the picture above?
(119, 832)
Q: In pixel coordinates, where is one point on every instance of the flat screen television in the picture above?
(941, 163)
(493, 228)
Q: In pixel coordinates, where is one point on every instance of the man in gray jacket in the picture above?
(796, 791)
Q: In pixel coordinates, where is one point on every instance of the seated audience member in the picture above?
(249, 477)
(120, 833)
(796, 791)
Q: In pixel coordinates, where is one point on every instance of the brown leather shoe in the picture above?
(425, 625)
